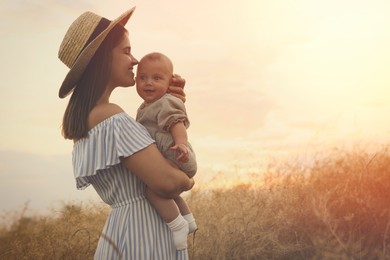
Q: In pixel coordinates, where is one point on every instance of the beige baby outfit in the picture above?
(158, 117)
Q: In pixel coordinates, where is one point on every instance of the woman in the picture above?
(111, 150)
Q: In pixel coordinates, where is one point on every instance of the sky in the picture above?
(266, 80)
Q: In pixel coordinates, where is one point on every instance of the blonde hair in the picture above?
(157, 56)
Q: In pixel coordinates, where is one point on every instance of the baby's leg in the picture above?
(166, 208)
(169, 212)
(186, 212)
(182, 205)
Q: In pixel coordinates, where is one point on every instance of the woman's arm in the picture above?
(153, 169)
(156, 172)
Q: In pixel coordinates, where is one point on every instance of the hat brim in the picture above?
(86, 55)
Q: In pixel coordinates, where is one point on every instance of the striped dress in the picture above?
(133, 229)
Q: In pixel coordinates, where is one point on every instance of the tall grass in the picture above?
(338, 208)
(71, 233)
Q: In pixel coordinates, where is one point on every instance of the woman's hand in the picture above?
(176, 87)
(190, 184)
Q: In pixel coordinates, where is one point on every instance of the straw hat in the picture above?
(80, 43)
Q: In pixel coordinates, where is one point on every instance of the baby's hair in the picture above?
(157, 56)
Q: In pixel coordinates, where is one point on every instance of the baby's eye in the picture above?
(157, 78)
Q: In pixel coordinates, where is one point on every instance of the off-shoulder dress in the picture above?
(133, 229)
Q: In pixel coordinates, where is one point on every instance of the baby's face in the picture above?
(153, 78)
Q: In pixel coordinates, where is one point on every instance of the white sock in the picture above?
(179, 227)
(191, 222)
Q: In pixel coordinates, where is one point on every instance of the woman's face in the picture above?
(123, 63)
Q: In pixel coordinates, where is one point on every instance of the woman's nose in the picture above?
(134, 60)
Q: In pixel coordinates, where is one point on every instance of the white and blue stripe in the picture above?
(133, 229)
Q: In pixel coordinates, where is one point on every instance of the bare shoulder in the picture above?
(101, 112)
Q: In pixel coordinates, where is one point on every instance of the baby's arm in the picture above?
(179, 134)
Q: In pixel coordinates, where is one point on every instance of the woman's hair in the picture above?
(90, 87)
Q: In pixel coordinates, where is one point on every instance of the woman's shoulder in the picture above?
(101, 112)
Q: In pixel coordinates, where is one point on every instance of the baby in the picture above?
(165, 117)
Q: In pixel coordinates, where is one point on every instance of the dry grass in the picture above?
(336, 209)
(71, 233)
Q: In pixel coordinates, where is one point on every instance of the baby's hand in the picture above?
(183, 152)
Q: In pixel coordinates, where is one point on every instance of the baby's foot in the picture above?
(192, 227)
(180, 229)
(180, 238)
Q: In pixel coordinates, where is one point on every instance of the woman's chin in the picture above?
(128, 85)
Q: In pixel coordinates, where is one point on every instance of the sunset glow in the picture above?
(266, 80)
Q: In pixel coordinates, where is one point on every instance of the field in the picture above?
(338, 208)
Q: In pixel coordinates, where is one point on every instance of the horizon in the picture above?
(266, 82)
